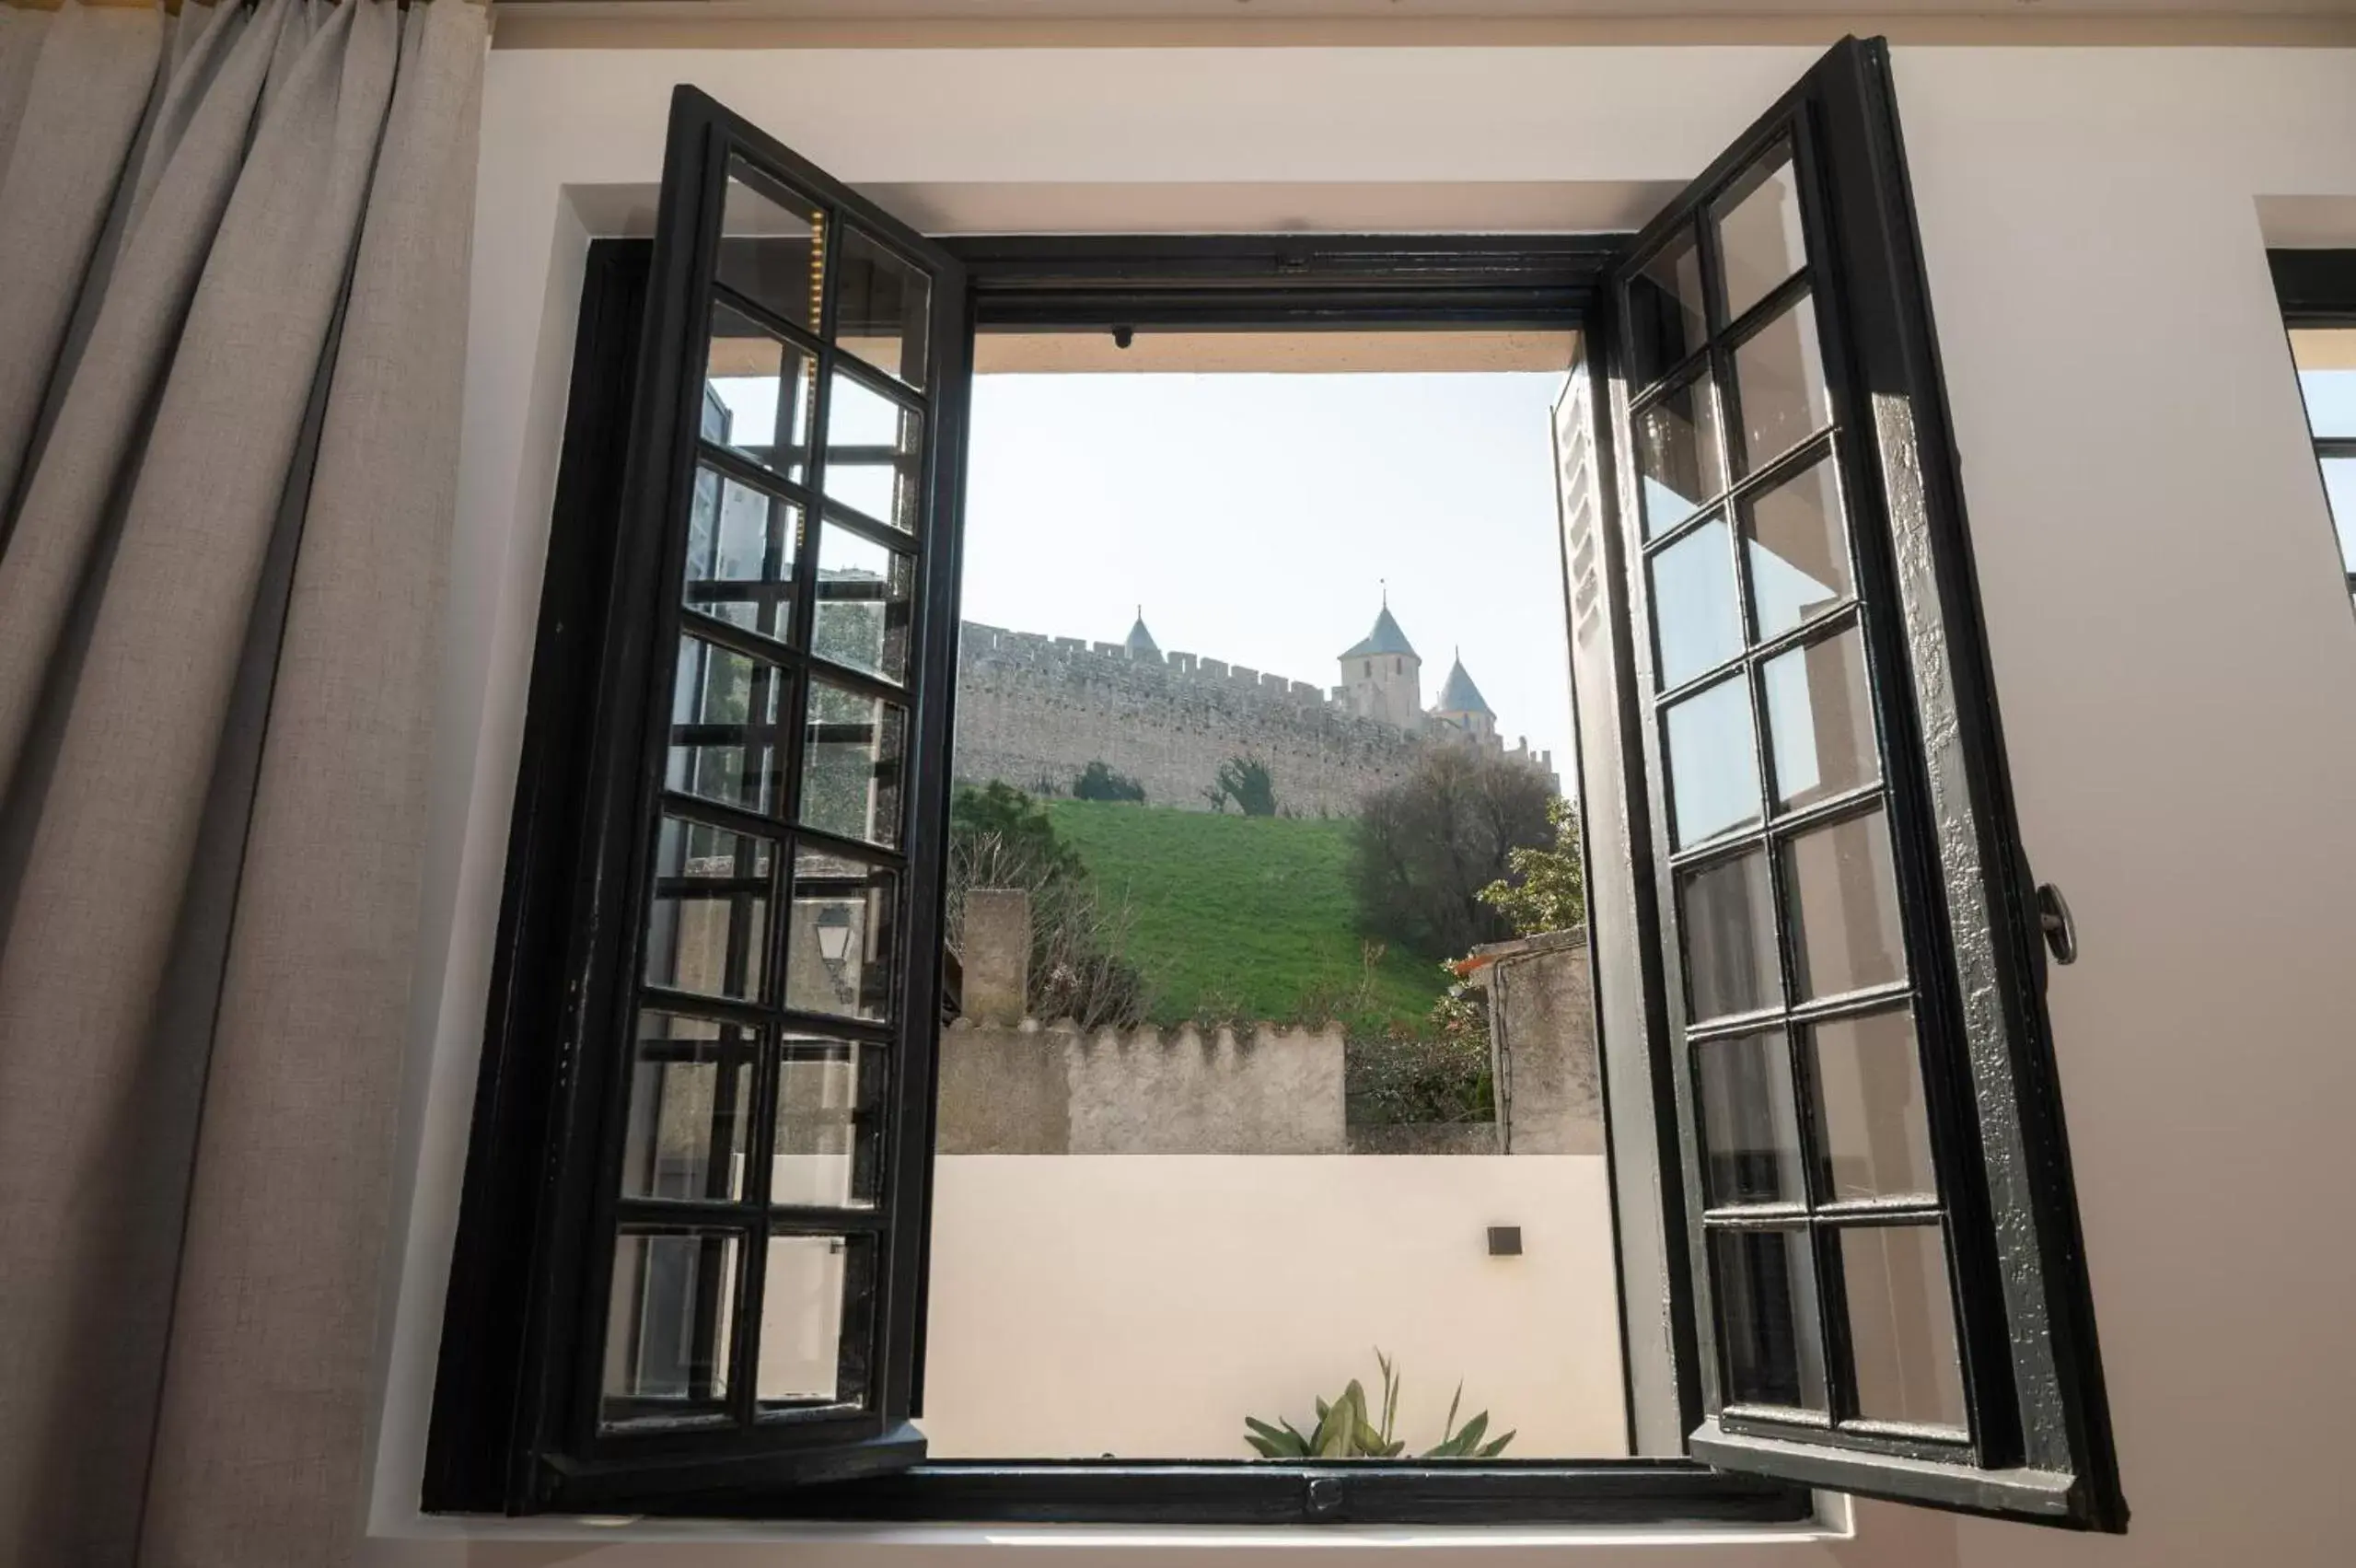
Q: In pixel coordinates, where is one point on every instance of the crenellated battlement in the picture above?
(1034, 709)
(1076, 660)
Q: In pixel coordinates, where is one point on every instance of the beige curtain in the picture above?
(233, 258)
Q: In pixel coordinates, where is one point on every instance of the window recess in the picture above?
(1848, 1244)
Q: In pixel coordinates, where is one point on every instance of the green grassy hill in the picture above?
(1243, 917)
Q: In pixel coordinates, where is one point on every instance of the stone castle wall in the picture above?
(1032, 708)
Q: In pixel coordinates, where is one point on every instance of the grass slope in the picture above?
(1246, 917)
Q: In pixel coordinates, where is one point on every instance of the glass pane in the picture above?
(1677, 455)
(1760, 243)
(1779, 380)
(2339, 490)
(862, 612)
(756, 394)
(852, 763)
(880, 308)
(827, 1091)
(1819, 720)
(1799, 550)
(766, 249)
(740, 550)
(724, 727)
(1665, 310)
(1750, 1128)
(815, 1304)
(1876, 1128)
(1841, 907)
(839, 952)
(873, 450)
(688, 1087)
(1768, 1334)
(1726, 922)
(1902, 1325)
(2326, 360)
(667, 1318)
(1695, 612)
(1714, 778)
(709, 919)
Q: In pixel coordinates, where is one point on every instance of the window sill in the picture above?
(1343, 1504)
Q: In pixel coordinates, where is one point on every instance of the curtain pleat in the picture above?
(285, 1236)
(201, 45)
(21, 32)
(266, 232)
(75, 128)
(68, 500)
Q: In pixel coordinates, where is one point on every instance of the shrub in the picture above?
(999, 837)
(1548, 890)
(1439, 1073)
(1100, 782)
(1247, 781)
(1427, 846)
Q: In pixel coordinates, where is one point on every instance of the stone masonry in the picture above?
(1033, 710)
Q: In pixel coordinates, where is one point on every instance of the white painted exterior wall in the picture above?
(1143, 1305)
(2172, 642)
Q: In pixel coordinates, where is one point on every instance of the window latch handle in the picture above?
(2053, 921)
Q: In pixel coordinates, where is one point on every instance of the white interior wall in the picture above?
(2174, 650)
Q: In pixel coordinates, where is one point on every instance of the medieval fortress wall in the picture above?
(1032, 709)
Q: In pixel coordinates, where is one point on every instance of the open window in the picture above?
(735, 1108)
(693, 1264)
(1788, 720)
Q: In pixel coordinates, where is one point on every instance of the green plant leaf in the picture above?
(1469, 1437)
(1267, 1449)
(1496, 1447)
(1449, 1423)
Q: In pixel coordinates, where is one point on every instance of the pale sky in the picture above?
(1255, 518)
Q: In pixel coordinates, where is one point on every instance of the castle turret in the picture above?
(1382, 677)
(1141, 640)
(1462, 707)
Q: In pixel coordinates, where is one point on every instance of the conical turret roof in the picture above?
(1386, 638)
(1460, 695)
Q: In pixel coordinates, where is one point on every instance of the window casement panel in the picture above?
(729, 1286)
(1845, 975)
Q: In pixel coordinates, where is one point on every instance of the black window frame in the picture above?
(487, 1447)
(2039, 1446)
(1144, 282)
(2317, 288)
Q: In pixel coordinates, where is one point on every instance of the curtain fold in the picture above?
(193, 1178)
(21, 31)
(339, 808)
(65, 501)
(77, 120)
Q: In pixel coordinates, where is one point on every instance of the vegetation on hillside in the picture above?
(1153, 914)
(1242, 918)
(1246, 781)
(1099, 781)
(1426, 847)
(1079, 966)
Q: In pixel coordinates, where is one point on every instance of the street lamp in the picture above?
(834, 939)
